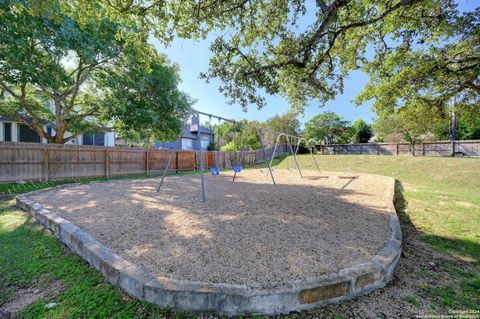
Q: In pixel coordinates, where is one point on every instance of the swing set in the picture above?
(215, 169)
(236, 164)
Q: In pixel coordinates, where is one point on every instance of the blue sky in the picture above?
(193, 58)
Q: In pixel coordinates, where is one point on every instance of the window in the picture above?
(205, 140)
(26, 134)
(7, 132)
(187, 144)
(97, 139)
(87, 139)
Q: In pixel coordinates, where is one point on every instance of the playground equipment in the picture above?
(215, 170)
(309, 145)
(237, 165)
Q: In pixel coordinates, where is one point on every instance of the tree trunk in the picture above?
(60, 124)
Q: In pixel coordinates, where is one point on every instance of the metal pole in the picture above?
(201, 159)
(241, 151)
(294, 157)
(313, 156)
(265, 154)
(165, 170)
(274, 151)
(173, 151)
(454, 120)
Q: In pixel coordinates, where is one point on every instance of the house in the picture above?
(194, 135)
(13, 131)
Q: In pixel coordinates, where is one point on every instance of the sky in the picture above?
(193, 57)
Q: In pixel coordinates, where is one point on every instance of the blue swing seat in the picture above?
(215, 170)
(237, 168)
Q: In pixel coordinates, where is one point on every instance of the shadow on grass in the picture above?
(29, 258)
(464, 250)
(453, 278)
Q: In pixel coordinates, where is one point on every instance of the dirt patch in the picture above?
(23, 297)
(248, 232)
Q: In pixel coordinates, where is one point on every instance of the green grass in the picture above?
(442, 195)
(439, 196)
(30, 257)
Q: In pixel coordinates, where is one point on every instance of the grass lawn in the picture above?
(438, 199)
(441, 195)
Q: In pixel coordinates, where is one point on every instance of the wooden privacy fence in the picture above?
(436, 148)
(32, 161)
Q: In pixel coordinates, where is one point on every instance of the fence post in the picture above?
(397, 148)
(107, 162)
(361, 149)
(334, 149)
(453, 146)
(176, 161)
(146, 161)
(45, 162)
(423, 148)
(378, 149)
(194, 160)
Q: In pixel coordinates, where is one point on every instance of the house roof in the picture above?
(5, 118)
(188, 134)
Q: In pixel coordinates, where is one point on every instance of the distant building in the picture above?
(13, 131)
(192, 137)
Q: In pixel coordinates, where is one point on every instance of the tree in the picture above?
(286, 123)
(431, 72)
(414, 122)
(468, 123)
(328, 127)
(281, 47)
(143, 106)
(361, 132)
(92, 76)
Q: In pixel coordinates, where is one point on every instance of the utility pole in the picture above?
(454, 120)
(454, 125)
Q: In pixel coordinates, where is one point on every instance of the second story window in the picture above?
(7, 132)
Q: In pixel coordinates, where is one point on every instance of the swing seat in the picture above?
(237, 168)
(215, 170)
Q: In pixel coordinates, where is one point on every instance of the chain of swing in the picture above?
(237, 167)
(236, 164)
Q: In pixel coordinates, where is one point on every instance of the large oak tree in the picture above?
(300, 49)
(94, 76)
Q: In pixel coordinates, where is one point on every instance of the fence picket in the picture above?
(34, 162)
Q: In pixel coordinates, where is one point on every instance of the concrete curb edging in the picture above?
(229, 299)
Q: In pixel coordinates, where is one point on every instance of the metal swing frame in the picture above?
(202, 157)
(287, 136)
(307, 144)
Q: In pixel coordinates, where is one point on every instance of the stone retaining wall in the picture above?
(181, 295)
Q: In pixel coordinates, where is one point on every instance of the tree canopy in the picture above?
(361, 132)
(431, 72)
(328, 127)
(414, 123)
(91, 75)
(286, 47)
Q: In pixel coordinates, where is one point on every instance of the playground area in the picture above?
(248, 232)
(422, 183)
